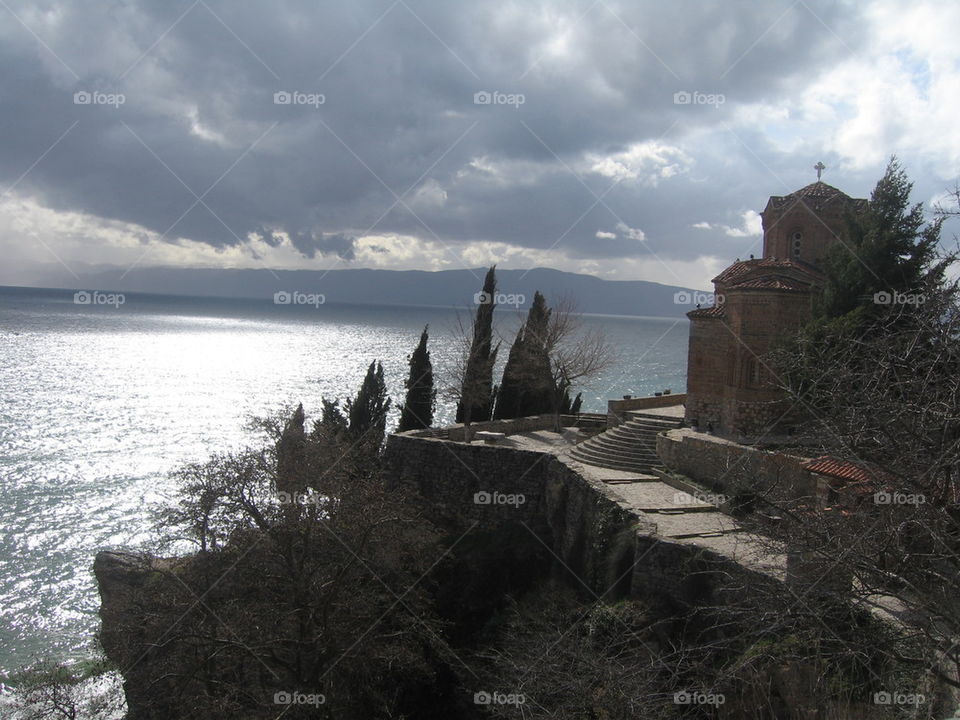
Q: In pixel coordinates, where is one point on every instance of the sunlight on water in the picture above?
(99, 405)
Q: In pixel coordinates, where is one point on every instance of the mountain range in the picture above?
(443, 288)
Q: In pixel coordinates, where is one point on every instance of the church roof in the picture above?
(771, 282)
(742, 269)
(816, 194)
(714, 311)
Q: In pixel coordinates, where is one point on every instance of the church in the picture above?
(757, 302)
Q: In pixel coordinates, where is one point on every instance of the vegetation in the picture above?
(549, 356)
(878, 381)
(889, 251)
(367, 412)
(474, 373)
(417, 411)
(525, 389)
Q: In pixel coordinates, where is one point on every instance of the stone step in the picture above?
(621, 444)
(613, 462)
(631, 481)
(648, 437)
(624, 454)
(607, 465)
(642, 427)
(625, 441)
(591, 457)
(635, 430)
(662, 419)
(629, 439)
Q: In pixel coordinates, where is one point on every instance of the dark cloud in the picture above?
(199, 148)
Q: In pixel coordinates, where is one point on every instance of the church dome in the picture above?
(817, 194)
(819, 190)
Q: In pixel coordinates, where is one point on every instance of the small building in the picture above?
(757, 303)
(843, 484)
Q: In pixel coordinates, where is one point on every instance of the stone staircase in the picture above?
(630, 446)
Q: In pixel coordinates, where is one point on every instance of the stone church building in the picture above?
(757, 302)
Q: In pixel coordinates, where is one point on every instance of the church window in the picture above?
(797, 238)
(753, 373)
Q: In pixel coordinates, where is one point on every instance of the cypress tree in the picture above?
(367, 412)
(332, 423)
(291, 453)
(476, 393)
(527, 382)
(417, 409)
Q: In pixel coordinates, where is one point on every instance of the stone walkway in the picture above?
(670, 511)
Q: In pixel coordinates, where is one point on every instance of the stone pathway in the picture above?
(669, 511)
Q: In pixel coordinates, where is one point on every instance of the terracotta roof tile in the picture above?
(744, 267)
(770, 282)
(714, 311)
(818, 193)
(844, 470)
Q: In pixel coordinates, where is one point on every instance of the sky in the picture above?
(628, 140)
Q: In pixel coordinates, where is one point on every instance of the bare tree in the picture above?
(886, 400)
(467, 382)
(576, 354)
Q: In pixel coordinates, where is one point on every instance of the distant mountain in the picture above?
(446, 288)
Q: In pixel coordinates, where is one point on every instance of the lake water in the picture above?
(99, 403)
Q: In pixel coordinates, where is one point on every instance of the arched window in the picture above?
(752, 373)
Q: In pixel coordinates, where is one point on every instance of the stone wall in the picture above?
(610, 548)
(512, 426)
(616, 409)
(731, 468)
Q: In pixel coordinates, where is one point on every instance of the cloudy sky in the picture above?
(630, 140)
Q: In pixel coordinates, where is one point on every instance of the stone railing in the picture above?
(617, 409)
(512, 426)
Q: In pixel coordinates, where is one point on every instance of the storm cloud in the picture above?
(443, 134)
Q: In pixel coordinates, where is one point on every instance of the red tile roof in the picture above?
(714, 311)
(771, 282)
(844, 469)
(743, 268)
(817, 194)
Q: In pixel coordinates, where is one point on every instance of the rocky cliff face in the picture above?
(127, 582)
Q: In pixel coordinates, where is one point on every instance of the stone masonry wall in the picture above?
(730, 468)
(591, 531)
